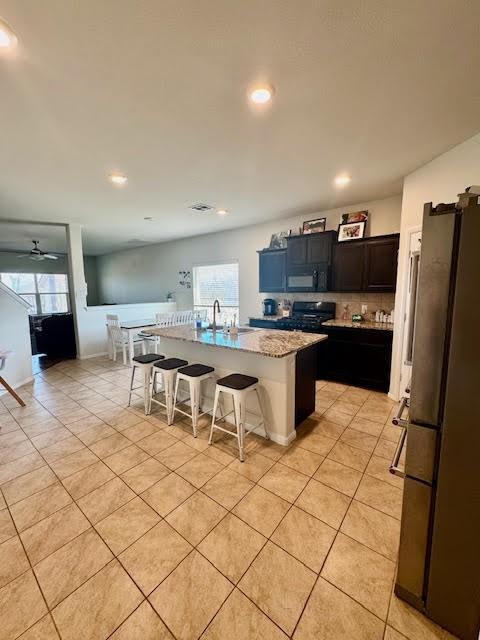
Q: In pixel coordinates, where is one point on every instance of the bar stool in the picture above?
(194, 374)
(238, 386)
(168, 368)
(144, 363)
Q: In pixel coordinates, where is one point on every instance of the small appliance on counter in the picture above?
(269, 307)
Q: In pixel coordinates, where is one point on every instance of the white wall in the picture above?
(15, 337)
(438, 181)
(90, 329)
(149, 273)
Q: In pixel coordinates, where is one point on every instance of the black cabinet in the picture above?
(272, 272)
(366, 265)
(356, 356)
(348, 259)
(319, 247)
(310, 249)
(308, 261)
(380, 266)
(315, 262)
(296, 251)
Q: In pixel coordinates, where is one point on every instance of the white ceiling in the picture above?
(18, 237)
(158, 90)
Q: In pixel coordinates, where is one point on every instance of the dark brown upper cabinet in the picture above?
(380, 270)
(347, 269)
(319, 247)
(272, 270)
(369, 264)
(315, 248)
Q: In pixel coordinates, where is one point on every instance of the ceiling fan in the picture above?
(38, 254)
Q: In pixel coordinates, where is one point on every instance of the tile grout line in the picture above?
(199, 489)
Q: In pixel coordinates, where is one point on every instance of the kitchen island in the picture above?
(284, 362)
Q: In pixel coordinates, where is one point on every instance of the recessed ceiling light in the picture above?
(118, 178)
(8, 40)
(222, 212)
(261, 94)
(342, 180)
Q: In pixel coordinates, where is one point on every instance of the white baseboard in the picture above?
(284, 441)
(17, 385)
(275, 437)
(93, 355)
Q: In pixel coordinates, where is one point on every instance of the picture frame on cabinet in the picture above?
(355, 216)
(314, 226)
(279, 240)
(351, 231)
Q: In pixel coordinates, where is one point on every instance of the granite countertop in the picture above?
(265, 342)
(365, 324)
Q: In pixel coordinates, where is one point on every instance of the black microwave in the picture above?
(308, 278)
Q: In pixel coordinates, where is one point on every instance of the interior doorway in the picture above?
(34, 264)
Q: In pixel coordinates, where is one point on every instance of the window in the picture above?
(216, 282)
(45, 292)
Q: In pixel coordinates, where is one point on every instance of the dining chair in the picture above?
(112, 321)
(120, 341)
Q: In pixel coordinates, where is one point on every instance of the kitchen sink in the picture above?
(240, 330)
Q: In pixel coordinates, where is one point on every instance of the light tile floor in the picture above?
(114, 525)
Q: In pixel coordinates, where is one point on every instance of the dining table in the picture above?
(132, 328)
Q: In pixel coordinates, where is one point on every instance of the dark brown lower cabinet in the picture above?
(356, 356)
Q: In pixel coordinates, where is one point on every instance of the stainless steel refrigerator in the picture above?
(439, 554)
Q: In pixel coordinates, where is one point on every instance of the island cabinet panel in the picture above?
(380, 270)
(305, 381)
(348, 264)
(272, 271)
(356, 356)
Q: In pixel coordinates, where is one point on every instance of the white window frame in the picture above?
(214, 263)
(38, 294)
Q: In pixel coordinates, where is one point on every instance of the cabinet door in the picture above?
(375, 370)
(319, 248)
(272, 271)
(348, 258)
(381, 264)
(297, 251)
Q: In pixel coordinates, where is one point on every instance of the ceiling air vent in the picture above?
(201, 207)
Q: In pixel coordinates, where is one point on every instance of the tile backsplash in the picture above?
(353, 301)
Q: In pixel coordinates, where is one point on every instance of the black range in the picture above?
(306, 316)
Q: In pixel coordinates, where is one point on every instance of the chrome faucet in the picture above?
(216, 307)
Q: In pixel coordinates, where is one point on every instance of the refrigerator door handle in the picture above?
(397, 420)
(394, 468)
(400, 422)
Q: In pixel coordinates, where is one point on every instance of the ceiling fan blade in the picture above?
(50, 256)
(24, 255)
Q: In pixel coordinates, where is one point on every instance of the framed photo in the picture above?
(314, 226)
(351, 231)
(279, 240)
(355, 216)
